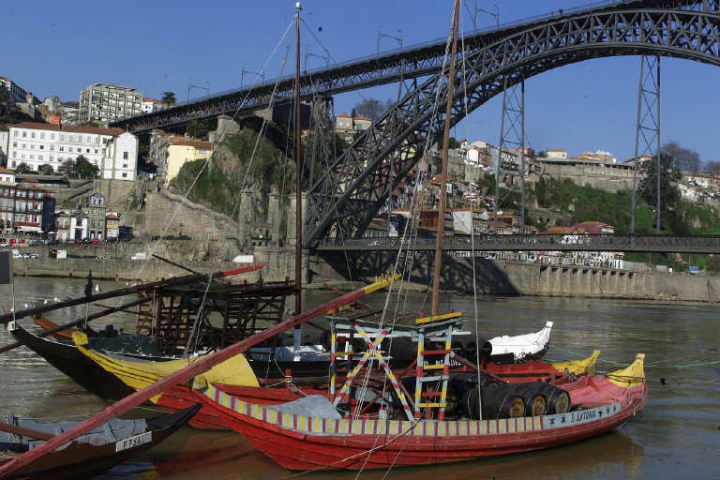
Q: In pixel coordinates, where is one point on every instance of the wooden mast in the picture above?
(298, 170)
(443, 174)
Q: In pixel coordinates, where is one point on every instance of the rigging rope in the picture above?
(152, 247)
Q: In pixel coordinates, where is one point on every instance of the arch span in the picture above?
(344, 201)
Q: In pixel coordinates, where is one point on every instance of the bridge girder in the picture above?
(412, 62)
(343, 203)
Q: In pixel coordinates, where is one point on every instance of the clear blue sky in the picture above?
(58, 48)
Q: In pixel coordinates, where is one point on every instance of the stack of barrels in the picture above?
(504, 400)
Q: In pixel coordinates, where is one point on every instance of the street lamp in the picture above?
(191, 87)
(243, 72)
(308, 54)
(495, 14)
(385, 35)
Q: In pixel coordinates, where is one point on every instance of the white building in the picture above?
(112, 150)
(121, 160)
(150, 105)
(106, 103)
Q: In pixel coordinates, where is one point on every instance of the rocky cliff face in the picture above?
(245, 173)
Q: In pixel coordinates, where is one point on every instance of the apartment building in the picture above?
(21, 204)
(107, 103)
(113, 150)
(171, 152)
(150, 105)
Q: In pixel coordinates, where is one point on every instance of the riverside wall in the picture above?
(491, 277)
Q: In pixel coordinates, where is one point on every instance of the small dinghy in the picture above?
(90, 454)
(521, 347)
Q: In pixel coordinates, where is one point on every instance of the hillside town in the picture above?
(67, 177)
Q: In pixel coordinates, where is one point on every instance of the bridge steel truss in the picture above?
(413, 62)
(344, 202)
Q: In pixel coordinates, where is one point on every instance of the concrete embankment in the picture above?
(491, 277)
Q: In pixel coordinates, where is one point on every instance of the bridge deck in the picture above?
(709, 244)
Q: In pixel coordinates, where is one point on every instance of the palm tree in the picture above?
(169, 99)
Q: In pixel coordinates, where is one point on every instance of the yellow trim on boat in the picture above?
(437, 318)
(381, 281)
(630, 376)
(139, 374)
(579, 367)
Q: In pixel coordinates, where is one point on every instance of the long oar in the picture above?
(27, 432)
(125, 291)
(81, 320)
(202, 365)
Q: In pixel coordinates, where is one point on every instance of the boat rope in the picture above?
(368, 452)
(154, 245)
(414, 220)
(195, 332)
(257, 148)
(472, 226)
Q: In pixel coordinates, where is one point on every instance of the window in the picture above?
(124, 175)
(125, 165)
(15, 133)
(24, 134)
(62, 138)
(87, 150)
(15, 144)
(32, 157)
(32, 135)
(14, 163)
(62, 149)
(125, 155)
(42, 147)
(52, 137)
(24, 145)
(42, 135)
(40, 157)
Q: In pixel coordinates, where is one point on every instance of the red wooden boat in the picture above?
(310, 434)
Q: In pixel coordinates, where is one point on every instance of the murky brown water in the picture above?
(676, 436)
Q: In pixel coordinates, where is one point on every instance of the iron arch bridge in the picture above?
(342, 204)
(413, 62)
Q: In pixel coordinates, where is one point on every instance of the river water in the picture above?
(677, 435)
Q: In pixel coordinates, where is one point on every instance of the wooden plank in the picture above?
(185, 374)
(28, 312)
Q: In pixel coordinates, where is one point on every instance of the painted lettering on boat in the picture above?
(133, 442)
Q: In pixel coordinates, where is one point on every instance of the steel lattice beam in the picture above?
(413, 62)
(344, 202)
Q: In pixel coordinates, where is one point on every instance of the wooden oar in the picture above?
(202, 365)
(7, 318)
(27, 432)
(81, 320)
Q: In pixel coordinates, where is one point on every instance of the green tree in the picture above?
(669, 196)
(46, 169)
(684, 159)
(67, 168)
(85, 169)
(23, 168)
(169, 99)
(197, 129)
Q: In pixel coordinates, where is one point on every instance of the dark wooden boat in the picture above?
(66, 358)
(93, 453)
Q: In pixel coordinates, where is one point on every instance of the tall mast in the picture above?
(443, 175)
(298, 170)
